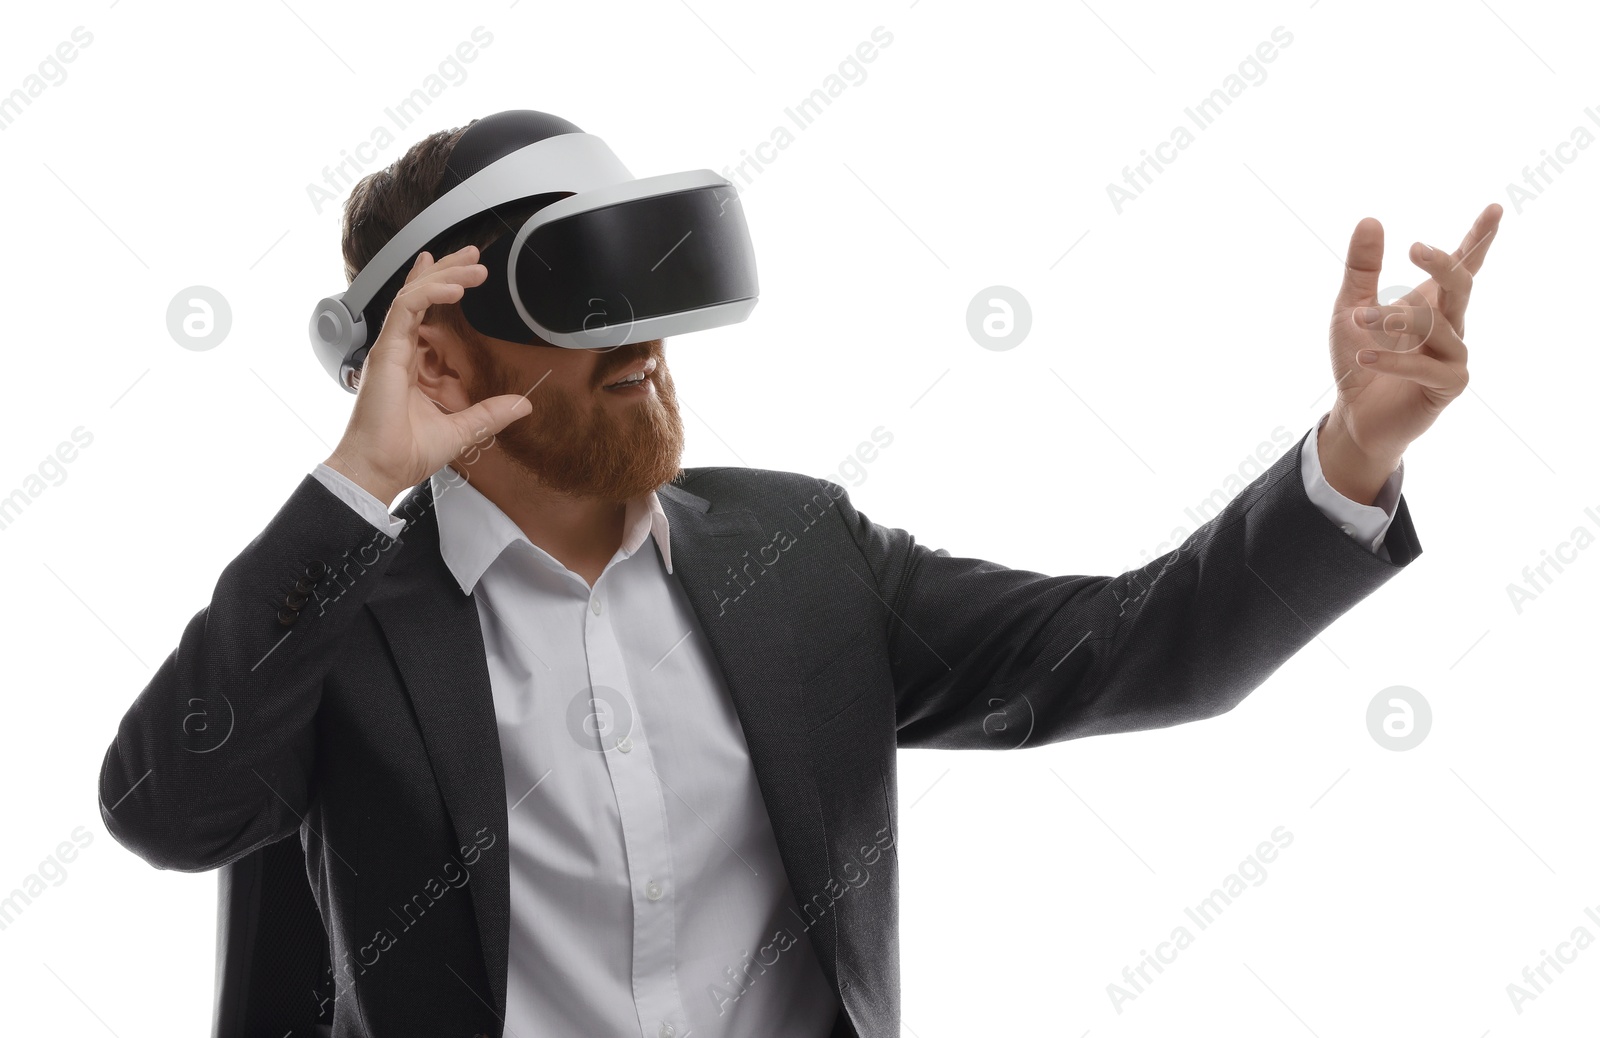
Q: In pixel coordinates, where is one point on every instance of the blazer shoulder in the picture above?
(733, 486)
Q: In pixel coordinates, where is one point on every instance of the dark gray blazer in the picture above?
(336, 686)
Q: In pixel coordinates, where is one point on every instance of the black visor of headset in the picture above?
(619, 260)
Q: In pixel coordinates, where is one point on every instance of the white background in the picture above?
(1165, 346)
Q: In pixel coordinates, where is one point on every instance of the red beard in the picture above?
(590, 447)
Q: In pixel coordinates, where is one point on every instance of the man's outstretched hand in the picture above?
(1397, 366)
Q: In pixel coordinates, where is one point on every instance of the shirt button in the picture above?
(652, 890)
(1346, 527)
(624, 744)
(667, 1030)
(595, 605)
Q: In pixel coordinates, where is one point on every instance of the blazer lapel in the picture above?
(433, 631)
(750, 639)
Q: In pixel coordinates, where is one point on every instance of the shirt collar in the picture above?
(473, 531)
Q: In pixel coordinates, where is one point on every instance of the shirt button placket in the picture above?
(639, 799)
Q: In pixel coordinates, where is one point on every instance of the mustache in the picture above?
(625, 357)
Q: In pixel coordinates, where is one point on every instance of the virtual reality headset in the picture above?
(618, 260)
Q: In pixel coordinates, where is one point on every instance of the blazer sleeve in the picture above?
(986, 657)
(214, 758)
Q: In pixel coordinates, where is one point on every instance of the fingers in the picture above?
(487, 417)
(427, 284)
(405, 313)
(460, 267)
(1454, 281)
(1363, 264)
(425, 262)
(442, 285)
(419, 266)
(1384, 322)
(1416, 366)
(1476, 244)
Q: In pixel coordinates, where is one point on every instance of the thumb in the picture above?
(1362, 266)
(487, 417)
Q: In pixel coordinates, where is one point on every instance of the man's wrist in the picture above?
(363, 477)
(1348, 469)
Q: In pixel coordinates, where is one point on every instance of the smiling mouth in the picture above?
(635, 377)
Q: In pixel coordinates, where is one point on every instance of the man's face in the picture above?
(584, 438)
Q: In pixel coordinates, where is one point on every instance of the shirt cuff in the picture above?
(1365, 524)
(346, 490)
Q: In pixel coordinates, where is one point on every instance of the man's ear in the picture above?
(439, 376)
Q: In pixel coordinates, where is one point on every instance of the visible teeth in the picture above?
(630, 379)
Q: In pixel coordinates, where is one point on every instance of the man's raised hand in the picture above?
(1396, 366)
(397, 435)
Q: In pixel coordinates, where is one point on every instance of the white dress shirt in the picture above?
(644, 874)
(644, 871)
